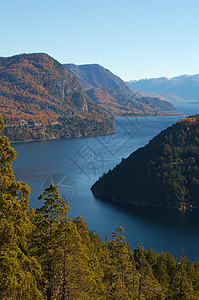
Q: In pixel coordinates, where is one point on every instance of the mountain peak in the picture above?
(36, 87)
(179, 88)
(113, 94)
(96, 76)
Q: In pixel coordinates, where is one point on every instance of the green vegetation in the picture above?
(63, 128)
(19, 271)
(164, 173)
(46, 255)
(41, 99)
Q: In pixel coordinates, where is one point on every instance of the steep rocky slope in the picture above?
(40, 98)
(113, 94)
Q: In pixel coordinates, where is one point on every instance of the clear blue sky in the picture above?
(132, 38)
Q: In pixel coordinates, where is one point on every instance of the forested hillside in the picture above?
(164, 173)
(46, 255)
(114, 95)
(41, 99)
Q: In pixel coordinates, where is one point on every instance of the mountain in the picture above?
(181, 88)
(118, 104)
(114, 95)
(41, 99)
(164, 173)
(96, 76)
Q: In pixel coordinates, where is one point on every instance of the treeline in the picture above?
(46, 255)
(63, 127)
(164, 173)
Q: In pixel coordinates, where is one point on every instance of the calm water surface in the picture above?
(75, 164)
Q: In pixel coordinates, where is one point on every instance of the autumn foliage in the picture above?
(37, 88)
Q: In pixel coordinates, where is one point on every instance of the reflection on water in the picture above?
(84, 160)
(165, 218)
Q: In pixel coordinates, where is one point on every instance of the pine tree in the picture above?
(182, 287)
(48, 229)
(151, 256)
(160, 271)
(171, 267)
(194, 276)
(93, 259)
(59, 245)
(148, 287)
(18, 270)
(123, 276)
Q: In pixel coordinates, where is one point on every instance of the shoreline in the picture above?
(161, 114)
(54, 139)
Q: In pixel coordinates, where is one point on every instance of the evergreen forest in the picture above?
(46, 255)
(164, 173)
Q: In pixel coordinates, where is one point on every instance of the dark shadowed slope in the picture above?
(164, 173)
(113, 94)
(96, 76)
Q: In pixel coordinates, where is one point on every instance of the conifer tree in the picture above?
(93, 260)
(194, 276)
(151, 256)
(160, 272)
(58, 245)
(171, 267)
(182, 287)
(123, 276)
(148, 287)
(48, 222)
(18, 270)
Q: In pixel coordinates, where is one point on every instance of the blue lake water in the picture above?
(75, 164)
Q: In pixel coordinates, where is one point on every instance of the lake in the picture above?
(75, 164)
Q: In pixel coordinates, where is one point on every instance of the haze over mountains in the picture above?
(42, 99)
(113, 94)
(96, 76)
(176, 89)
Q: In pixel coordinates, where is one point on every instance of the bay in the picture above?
(75, 164)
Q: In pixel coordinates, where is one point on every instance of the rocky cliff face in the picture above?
(36, 88)
(96, 76)
(114, 95)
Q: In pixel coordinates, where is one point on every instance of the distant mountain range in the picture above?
(176, 89)
(41, 99)
(113, 94)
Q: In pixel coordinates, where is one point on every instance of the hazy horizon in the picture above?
(134, 40)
